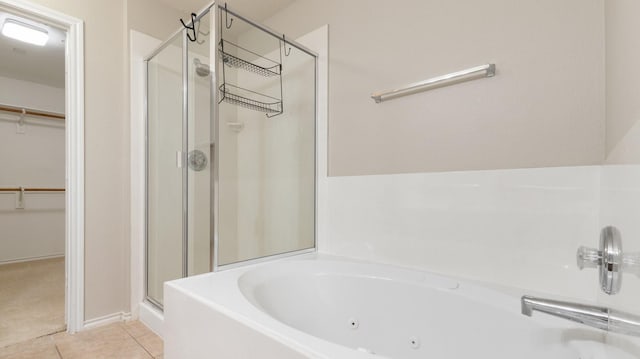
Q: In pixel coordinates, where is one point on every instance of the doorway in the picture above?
(32, 183)
(42, 109)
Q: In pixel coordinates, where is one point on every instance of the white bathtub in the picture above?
(318, 306)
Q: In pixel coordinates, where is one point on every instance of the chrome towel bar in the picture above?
(488, 70)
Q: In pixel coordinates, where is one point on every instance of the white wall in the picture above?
(519, 228)
(35, 158)
(140, 45)
(545, 106)
(106, 153)
(32, 95)
(516, 228)
(622, 58)
(154, 18)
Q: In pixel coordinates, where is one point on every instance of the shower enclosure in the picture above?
(231, 163)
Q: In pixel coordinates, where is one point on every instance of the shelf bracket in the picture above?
(21, 128)
(20, 199)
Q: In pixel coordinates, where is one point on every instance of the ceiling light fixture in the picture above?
(25, 32)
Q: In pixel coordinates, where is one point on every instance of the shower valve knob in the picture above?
(197, 160)
(608, 258)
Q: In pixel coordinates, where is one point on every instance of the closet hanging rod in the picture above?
(488, 70)
(30, 189)
(33, 112)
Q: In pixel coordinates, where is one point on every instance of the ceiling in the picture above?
(40, 64)
(258, 10)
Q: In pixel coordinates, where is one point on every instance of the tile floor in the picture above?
(130, 340)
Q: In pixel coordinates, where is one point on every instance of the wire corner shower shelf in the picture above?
(237, 57)
(250, 99)
(262, 66)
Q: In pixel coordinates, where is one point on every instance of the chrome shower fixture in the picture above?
(202, 70)
(609, 259)
(197, 160)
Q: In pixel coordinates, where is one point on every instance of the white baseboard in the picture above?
(127, 316)
(152, 317)
(106, 319)
(29, 259)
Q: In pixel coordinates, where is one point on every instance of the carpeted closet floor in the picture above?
(31, 300)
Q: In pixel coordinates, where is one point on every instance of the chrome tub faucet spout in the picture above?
(597, 317)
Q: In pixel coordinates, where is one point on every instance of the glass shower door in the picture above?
(266, 90)
(179, 157)
(165, 181)
(201, 149)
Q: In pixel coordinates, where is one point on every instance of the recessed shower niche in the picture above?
(231, 162)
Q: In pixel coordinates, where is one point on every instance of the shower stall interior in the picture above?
(231, 162)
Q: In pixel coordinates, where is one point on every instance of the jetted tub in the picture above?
(318, 306)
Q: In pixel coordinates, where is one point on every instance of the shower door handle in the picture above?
(179, 159)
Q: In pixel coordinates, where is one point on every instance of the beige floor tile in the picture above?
(107, 342)
(159, 357)
(151, 343)
(135, 328)
(40, 348)
(115, 341)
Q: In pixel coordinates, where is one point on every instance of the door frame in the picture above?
(74, 153)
